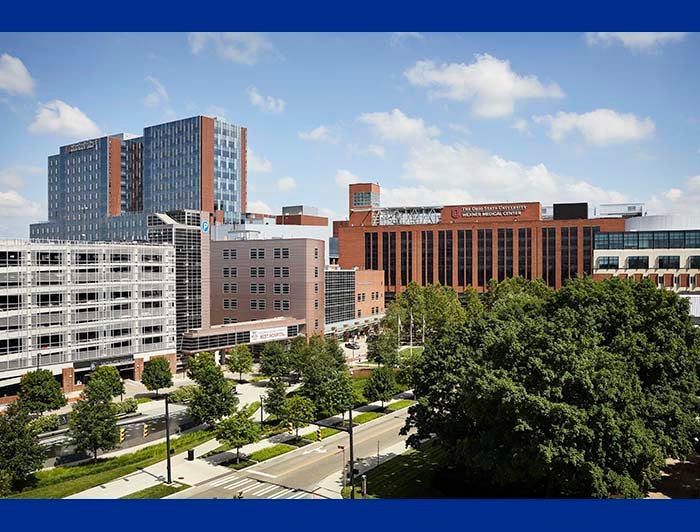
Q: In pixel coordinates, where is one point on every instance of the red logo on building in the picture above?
(455, 213)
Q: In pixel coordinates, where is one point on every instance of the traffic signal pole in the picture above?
(352, 459)
(167, 439)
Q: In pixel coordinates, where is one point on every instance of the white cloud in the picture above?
(268, 104)
(14, 76)
(453, 173)
(14, 177)
(459, 128)
(397, 127)
(58, 117)
(242, 48)
(343, 178)
(259, 207)
(257, 164)
(488, 84)
(14, 204)
(215, 110)
(601, 127)
(399, 37)
(521, 126)
(638, 41)
(285, 184)
(319, 134)
(158, 96)
(677, 200)
(377, 150)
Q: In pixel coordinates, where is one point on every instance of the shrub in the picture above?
(183, 395)
(128, 406)
(44, 424)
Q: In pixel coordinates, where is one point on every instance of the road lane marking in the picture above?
(238, 485)
(319, 450)
(224, 480)
(298, 495)
(265, 490)
(281, 493)
(263, 474)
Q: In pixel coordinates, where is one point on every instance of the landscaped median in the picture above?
(260, 456)
(63, 481)
(157, 492)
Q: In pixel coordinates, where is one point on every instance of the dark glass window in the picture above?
(661, 240)
(638, 263)
(427, 249)
(501, 255)
(694, 262)
(448, 258)
(669, 261)
(601, 240)
(646, 240)
(445, 258)
(608, 263)
(368, 251)
(676, 239)
(564, 234)
(464, 258)
(631, 240)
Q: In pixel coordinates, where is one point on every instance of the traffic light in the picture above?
(319, 436)
(122, 435)
(145, 430)
(290, 428)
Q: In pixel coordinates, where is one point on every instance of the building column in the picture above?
(138, 369)
(68, 376)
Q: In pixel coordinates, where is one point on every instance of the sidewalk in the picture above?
(202, 470)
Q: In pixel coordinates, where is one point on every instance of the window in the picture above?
(230, 272)
(152, 329)
(638, 263)
(608, 263)
(47, 258)
(230, 288)
(257, 304)
(281, 288)
(669, 261)
(359, 313)
(315, 288)
(230, 254)
(316, 304)
(315, 253)
(50, 300)
(257, 271)
(315, 271)
(257, 288)
(257, 253)
(285, 253)
(13, 345)
(230, 304)
(281, 304)
(694, 262)
(282, 271)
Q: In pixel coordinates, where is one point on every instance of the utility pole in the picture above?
(262, 419)
(352, 459)
(411, 333)
(167, 438)
(423, 342)
(398, 336)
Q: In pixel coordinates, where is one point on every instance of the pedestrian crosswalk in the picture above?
(256, 489)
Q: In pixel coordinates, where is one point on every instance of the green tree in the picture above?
(157, 374)
(297, 410)
(93, 426)
(239, 360)
(335, 394)
(335, 352)
(237, 431)
(381, 385)
(409, 368)
(105, 383)
(298, 354)
(276, 394)
(578, 393)
(214, 398)
(383, 349)
(274, 360)
(20, 452)
(39, 391)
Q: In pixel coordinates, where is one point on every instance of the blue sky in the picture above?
(434, 118)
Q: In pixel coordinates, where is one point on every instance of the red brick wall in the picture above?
(114, 178)
(207, 151)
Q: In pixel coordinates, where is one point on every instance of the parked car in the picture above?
(352, 345)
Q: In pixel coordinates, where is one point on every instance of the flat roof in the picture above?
(280, 321)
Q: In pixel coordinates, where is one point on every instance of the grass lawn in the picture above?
(252, 408)
(259, 378)
(157, 492)
(141, 400)
(271, 452)
(366, 416)
(67, 480)
(416, 350)
(325, 432)
(358, 387)
(411, 475)
(398, 405)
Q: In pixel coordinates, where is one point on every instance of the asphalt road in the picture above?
(302, 470)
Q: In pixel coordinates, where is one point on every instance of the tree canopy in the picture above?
(237, 431)
(383, 349)
(381, 385)
(274, 360)
(93, 425)
(274, 399)
(580, 392)
(297, 410)
(213, 399)
(39, 392)
(239, 360)
(157, 374)
(105, 383)
(20, 452)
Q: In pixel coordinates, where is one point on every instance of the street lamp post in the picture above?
(262, 419)
(352, 458)
(167, 438)
(342, 448)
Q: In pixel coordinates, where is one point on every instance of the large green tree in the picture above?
(237, 431)
(39, 391)
(579, 393)
(274, 360)
(20, 452)
(93, 426)
(383, 349)
(381, 385)
(239, 360)
(157, 374)
(105, 383)
(299, 411)
(214, 398)
(275, 397)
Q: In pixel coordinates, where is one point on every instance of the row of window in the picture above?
(648, 240)
(57, 258)
(373, 311)
(642, 262)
